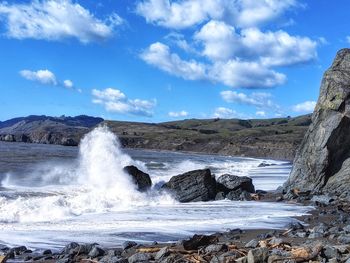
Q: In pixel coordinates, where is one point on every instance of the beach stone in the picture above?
(164, 252)
(331, 252)
(295, 226)
(193, 186)
(347, 228)
(322, 163)
(141, 179)
(128, 244)
(315, 235)
(229, 182)
(69, 248)
(96, 252)
(198, 241)
(215, 248)
(344, 239)
(322, 199)
(47, 252)
(276, 241)
(252, 243)
(230, 256)
(113, 259)
(139, 257)
(258, 255)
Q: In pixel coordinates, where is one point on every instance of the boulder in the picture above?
(229, 182)
(322, 163)
(258, 255)
(193, 186)
(141, 179)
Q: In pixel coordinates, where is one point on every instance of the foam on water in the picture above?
(90, 198)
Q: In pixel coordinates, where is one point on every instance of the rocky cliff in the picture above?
(322, 163)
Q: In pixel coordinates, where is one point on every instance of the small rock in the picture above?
(220, 196)
(331, 252)
(164, 252)
(215, 248)
(258, 255)
(252, 243)
(96, 252)
(276, 241)
(295, 226)
(315, 235)
(198, 241)
(242, 260)
(347, 228)
(344, 239)
(322, 199)
(128, 244)
(139, 257)
(47, 252)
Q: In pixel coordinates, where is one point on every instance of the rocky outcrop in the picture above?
(193, 186)
(229, 182)
(322, 163)
(141, 179)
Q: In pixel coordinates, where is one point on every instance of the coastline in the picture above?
(321, 236)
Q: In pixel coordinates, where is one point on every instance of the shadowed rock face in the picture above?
(322, 163)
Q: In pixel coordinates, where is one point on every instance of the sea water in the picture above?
(51, 195)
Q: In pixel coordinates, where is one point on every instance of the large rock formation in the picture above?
(322, 163)
(193, 186)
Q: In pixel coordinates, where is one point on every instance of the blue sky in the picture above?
(160, 60)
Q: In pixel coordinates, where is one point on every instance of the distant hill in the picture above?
(49, 130)
(271, 138)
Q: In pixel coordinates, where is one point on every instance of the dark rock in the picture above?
(113, 259)
(228, 182)
(220, 196)
(128, 244)
(258, 255)
(234, 195)
(295, 226)
(47, 252)
(322, 162)
(198, 185)
(230, 256)
(71, 246)
(18, 250)
(198, 241)
(141, 179)
(96, 252)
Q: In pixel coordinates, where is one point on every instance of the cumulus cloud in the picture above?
(306, 107)
(187, 13)
(47, 77)
(114, 100)
(56, 20)
(258, 99)
(224, 113)
(260, 113)
(68, 84)
(159, 55)
(229, 46)
(43, 76)
(178, 114)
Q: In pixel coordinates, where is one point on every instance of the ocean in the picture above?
(51, 195)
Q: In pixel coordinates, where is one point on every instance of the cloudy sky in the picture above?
(159, 60)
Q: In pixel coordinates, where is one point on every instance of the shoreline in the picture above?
(323, 235)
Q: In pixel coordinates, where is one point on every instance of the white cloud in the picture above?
(224, 113)
(187, 13)
(44, 76)
(116, 101)
(260, 113)
(159, 55)
(68, 84)
(56, 20)
(229, 46)
(178, 114)
(307, 107)
(242, 74)
(258, 99)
